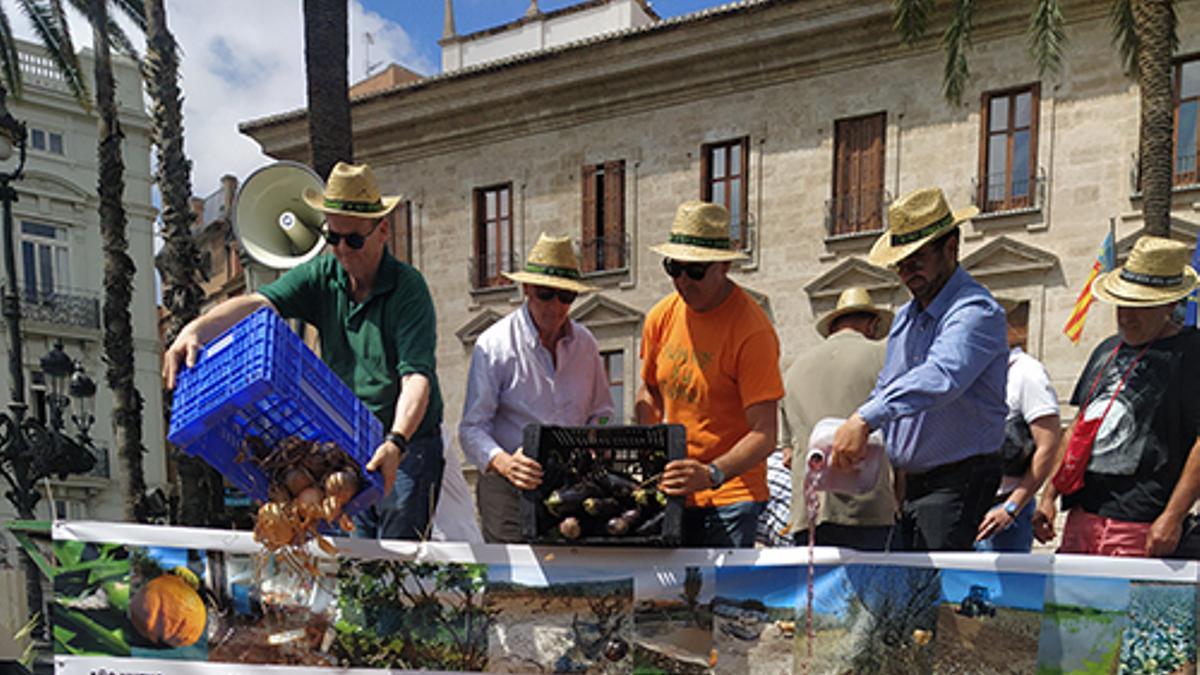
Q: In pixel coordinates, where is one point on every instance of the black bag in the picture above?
(1017, 451)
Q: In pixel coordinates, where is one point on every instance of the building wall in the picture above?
(780, 73)
(60, 190)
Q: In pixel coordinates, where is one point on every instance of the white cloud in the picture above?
(245, 60)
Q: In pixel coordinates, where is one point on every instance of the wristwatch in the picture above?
(715, 476)
(396, 438)
(1011, 509)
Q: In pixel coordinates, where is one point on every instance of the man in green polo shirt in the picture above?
(378, 333)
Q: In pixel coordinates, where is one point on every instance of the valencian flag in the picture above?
(1105, 261)
(1194, 297)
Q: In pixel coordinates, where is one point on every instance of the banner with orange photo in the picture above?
(144, 599)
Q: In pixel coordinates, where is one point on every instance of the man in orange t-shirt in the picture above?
(710, 361)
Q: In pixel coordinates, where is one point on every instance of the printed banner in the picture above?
(151, 600)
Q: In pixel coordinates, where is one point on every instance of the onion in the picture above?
(297, 480)
(331, 508)
(308, 502)
(341, 484)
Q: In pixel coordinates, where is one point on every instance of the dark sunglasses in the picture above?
(354, 240)
(695, 271)
(546, 294)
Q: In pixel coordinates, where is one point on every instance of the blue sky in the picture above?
(424, 26)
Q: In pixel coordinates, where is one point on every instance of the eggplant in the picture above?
(569, 501)
(601, 507)
(622, 524)
(653, 526)
(570, 528)
(649, 498)
(615, 484)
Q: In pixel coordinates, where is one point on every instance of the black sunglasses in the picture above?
(546, 294)
(695, 271)
(354, 240)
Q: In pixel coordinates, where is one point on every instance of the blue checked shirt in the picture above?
(940, 396)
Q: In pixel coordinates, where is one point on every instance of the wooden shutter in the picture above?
(588, 235)
(480, 239)
(858, 174)
(705, 172)
(614, 214)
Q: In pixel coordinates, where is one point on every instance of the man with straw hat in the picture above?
(378, 333)
(534, 366)
(1135, 443)
(940, 396)
(831, 380)
(710, 361)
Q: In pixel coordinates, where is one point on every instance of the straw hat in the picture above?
(913, 220)
(853, 300)
(700, 233)
(552, 263)
(1157, 273)
(351, 191)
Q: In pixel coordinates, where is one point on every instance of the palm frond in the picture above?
(910, 18)
(119, 40)
(957, 40)
(57, 44)
(10, 61)
(1124, 33)
(1047, 35)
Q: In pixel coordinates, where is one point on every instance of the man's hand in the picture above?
(523, 472)
(182, 352)
(1043, 520)
(386, 461)
(849, 443)
(787, 456)
(1164, 534)
(682, 477)
(997, 520)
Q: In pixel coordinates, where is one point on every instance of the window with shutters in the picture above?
(1187, 121)
(614, 370)
(858, 196)
(493, 235)
(1018, 324)
(724, 173)
(1008, 156)
(603, 239)
(400, 227)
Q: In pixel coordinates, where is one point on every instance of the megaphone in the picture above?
(274, 224)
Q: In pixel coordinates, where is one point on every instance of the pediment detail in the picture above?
(44, 183)
(472, 329)
(852, 272)
(599, 310)
(1008, 256)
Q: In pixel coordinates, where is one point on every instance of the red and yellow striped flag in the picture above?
(1105, 261)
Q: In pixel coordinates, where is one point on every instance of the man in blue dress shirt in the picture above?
(940, 396)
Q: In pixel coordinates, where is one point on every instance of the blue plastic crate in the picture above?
(259, 379)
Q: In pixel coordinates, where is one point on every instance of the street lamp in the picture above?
(30, 450)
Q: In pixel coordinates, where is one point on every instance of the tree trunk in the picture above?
(181, 264)
(118, 275)
(325, 58)
(1152, 24)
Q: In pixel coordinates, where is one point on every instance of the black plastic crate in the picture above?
(569, 455)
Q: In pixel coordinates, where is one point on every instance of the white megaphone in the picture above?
(275, 226)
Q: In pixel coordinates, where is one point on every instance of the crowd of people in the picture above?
(970, 423)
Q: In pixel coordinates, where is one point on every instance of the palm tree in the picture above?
(181, 263)
(325, 54)
(119, 270)
(1145, 34)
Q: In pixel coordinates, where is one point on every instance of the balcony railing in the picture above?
(62, 306)
(481, 279)
(1023, 195)
(605, 254)
(852, 213)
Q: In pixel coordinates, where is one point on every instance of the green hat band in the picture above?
(1152, 280)
(910, 237)
(565, 272)
(357, 207)
(703, 242)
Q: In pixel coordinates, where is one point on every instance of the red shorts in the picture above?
(1091, 534)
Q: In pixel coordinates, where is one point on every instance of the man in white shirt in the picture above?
(1031, 436)
(534, 366)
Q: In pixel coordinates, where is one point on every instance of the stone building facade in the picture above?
(807, 117)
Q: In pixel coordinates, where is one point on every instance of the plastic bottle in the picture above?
(858, 479)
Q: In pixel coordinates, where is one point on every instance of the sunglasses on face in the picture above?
(547, 294)
(354, 240)
(695, 271)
